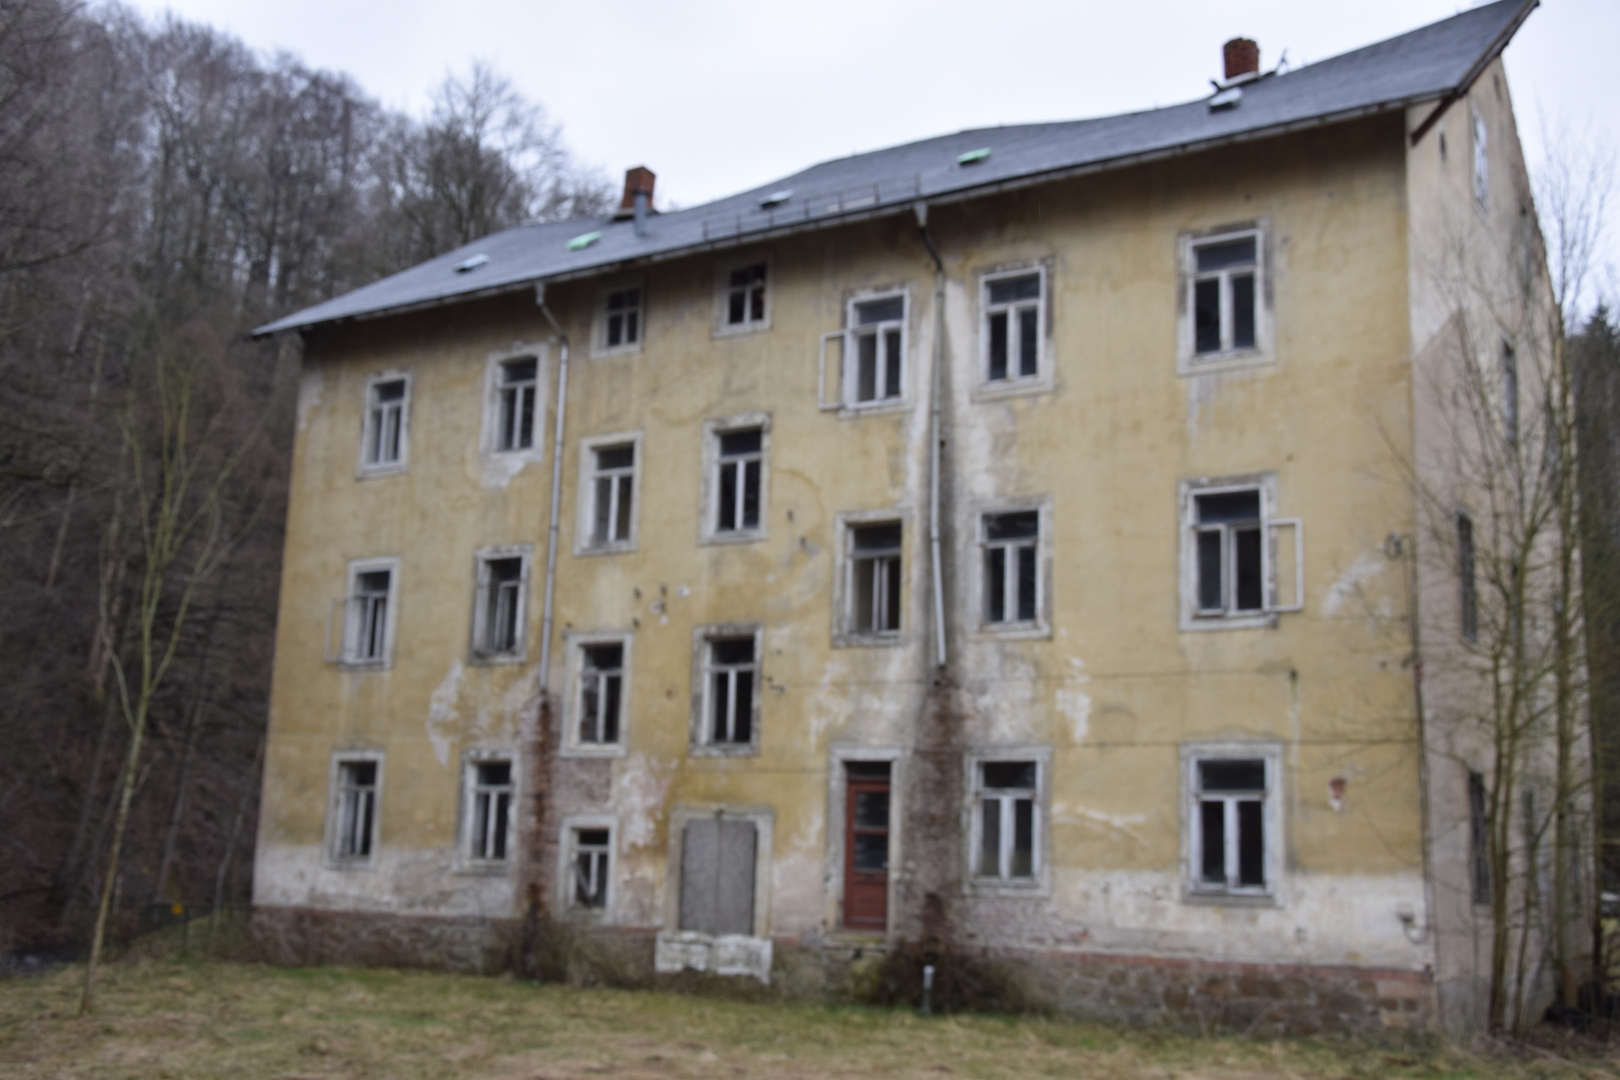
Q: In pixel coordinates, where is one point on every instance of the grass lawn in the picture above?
(239, 1021)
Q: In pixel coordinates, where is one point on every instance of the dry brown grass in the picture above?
(238, 1021)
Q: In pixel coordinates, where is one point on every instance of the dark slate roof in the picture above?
(1431, 63)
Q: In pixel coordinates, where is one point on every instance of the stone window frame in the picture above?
(709, 482)
(1275, 819)
(1266, 483)
(577, 642)
(491, 408)
(698, 743)
(477, 650)
(344, 655)
(1041, 626)
(1039, 884)
(722, 285)
(1044, 380)
(366, 470)
(1264, 351)
(844, 406)
(329, 842)
(843, 637)
(600, 349)
(465, 862)
(571, 826)
(837, 790)
(732, 955)
(585, 493)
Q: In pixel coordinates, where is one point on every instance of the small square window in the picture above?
(489, 811)
(519, 382)
(356, 782)
(1013, 331)
(384, 442)
(1011, 546)
(501, 609)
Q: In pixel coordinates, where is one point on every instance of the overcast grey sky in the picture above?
(719, 95)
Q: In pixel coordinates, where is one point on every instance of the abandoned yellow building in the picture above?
(985, 549)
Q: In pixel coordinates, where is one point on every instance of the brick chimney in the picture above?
(1242, 58)
(637, 181)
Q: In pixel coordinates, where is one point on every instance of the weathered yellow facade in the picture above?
(1113, 689)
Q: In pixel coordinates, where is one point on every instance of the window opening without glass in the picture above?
(601, 688)
(740, 459)
(731, 669)
(1007, 791)
(502, 586)
(879, 349)
(1011, 572)
(1230, 828)
(1225, 312)
(356, 809)
(592, 858)
(1234, 548)
(613, 486)
(745, 295)
(491, 810)
(368, 616)
(874, 572)
(385, 423)
(519, 380)
(1012, 327)
(621, 324)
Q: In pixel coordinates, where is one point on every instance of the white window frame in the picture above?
(1039, 883)
(599, 331)
(1040, 626)
(710, 485)
(335, 810)
(1012, 385)
(480, 649)
(494, 365)
(702, 638)
(722, 295)
(584, 541)
(1272, 529)
(844, 634)
(568, 852)
(467, 861)
(1272, 817)
(344, 619)
(572, 744)
(369, 421)
(1188, 360)
(846, 343)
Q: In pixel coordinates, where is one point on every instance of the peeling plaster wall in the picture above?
(1111, 686)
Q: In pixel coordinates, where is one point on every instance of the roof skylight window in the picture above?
(1226, 99)
(776, 198)
(472, 262)
(974, 157)
(583, 241)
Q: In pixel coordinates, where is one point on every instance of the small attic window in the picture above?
(471, 263)
(583, 241)
(974, 157)
(776, 198)
(1226, 99)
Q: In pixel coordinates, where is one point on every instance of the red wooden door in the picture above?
(866, 855)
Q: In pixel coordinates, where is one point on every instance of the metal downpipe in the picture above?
(936, 567)
(556, 489)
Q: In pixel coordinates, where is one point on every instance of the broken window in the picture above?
(601, 690)
(489, 810)
(1011, 545)
(621, 318)
(1482, 161)
(592, 862)
(874, 578)
(499, 612)
(745, 296)
(1479, 839)
(1007, 799)
(878, 329)
(612, 494)
(385, 423)
(367, 614)
(355, 812)
(1012, 305)
(1468, 594)
(1236, 553)
(519, 380)
(1229, 831)
(730, 669)
(739, 461)
(1225, 294)
(717, 875)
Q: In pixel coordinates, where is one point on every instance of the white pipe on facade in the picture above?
(934, 434)
(556, 487)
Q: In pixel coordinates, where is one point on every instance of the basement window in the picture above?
(356, 783)
(500, 608)
(1229, 825)
(489, 811)
(385, 440)
(1239, 567)
(1014, 324)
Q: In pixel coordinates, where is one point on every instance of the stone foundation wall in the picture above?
(1146, 991)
